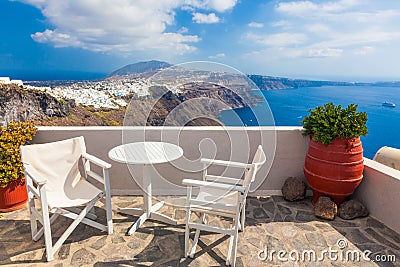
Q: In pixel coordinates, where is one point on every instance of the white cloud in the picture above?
(281, 23)
(332, 28)
(183, 30)
(219, 55)
(255, 24)
(324, 52)
(204, 18)
(318, 28)
(122, 26)
(301, 8)
(363, 51)
(279, 39)
(217, 5)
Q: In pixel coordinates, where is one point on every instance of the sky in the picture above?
(351, 40)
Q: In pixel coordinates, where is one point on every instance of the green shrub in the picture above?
(328, 122)
(11, 138)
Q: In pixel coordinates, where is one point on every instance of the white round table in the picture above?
(146, 154)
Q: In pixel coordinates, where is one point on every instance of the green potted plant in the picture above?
(334, 163)
(13, 193)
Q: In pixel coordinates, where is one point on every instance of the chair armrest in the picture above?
(223, 180)
(32, 173)
(215, 185)
(96, 161)
(226, 163)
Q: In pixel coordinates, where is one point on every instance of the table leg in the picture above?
(150, 212)
(137, 224)
(147, 189)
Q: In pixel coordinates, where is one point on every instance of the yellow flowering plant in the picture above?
(11, 138)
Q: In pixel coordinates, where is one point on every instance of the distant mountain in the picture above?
(273, 83)
(140, 67)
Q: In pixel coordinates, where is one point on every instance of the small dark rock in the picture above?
(293, 189)
(325, 208)
(352, 209)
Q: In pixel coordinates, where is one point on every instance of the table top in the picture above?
(145, 153)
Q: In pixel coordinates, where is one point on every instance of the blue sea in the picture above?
(289, 106)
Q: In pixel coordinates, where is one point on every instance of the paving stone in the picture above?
(341, 223)
(256, 242)
(381, 239)
(274, 243)
(170, 245)
(99, 243)
(284, 210)
(304, 216)
(371, 247)
(278, 218)
(82, 257)
(381, 263)
(259, 213)
(357, 237)
(371, 222)
(172, 263)
(305, 227)
(323, 226)
(299, 245)
(289, 231)
(134, 245)
(180, 214)
(63, 253)
(117, 240)
(151, 253)
(254, 202)
(316, 239)
(389, 233)
(396, 254)
(289, 219)
(269, 206)
(278, 199)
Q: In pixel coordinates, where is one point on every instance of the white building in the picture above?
(5, 80)
(17, 82)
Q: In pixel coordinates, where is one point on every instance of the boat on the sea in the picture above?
(388, 104)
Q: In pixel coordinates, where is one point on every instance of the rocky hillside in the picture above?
(20, 104)
(198, 104)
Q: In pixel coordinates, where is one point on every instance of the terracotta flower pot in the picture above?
(334, 170)
(14, 196)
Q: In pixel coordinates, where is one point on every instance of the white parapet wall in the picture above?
(380, 193)
(285, 148)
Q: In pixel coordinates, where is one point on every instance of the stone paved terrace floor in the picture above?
(270, 222)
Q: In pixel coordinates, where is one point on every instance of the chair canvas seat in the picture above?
(80, 194)
(220, 196)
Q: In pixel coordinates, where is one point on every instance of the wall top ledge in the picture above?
(188, 128)
(390, 172)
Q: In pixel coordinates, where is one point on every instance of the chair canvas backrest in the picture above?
(57, 162)
(258, 160)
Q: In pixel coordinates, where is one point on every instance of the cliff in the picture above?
(198, 104)
(274, 83)
(19, 104)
